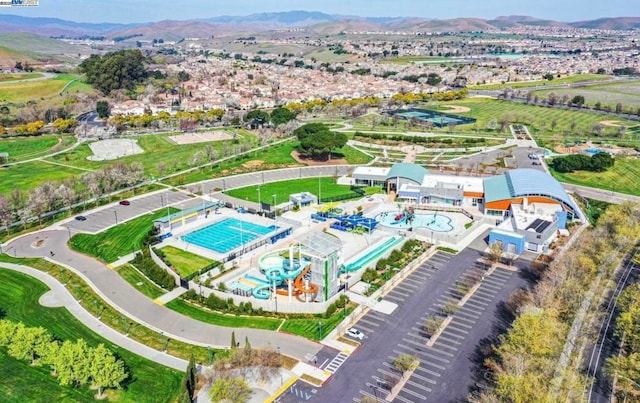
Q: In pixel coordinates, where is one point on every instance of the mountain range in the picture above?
(313, 22)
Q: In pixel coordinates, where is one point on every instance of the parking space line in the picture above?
(409, 391)
(442, 345)
(422, 378)
(475, 301)
(475, 305)
(455, 322)
(486, 293)
(404, 400)
(427, 371)
(493, 283)
(444, 340)
(482, 298)
(369, 322)
(424, 348)
(399, 299)
(382, 371)
(413, 283)
(457, 329)
(447, 332)
(463, 319)
(397, 291)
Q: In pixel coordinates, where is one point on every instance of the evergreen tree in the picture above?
(233, 340)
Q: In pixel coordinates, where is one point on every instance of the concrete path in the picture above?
(170, 296)
(127, 300)
(60, 297)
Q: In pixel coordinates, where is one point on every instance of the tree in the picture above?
(281, 116)
(495, 252)
(103, 109)
(28, 340)
(232, 389)
(191, 377)
(233, 339)
(578, 100)
(73, 363)
(406, 362)
(318, 141)
(8, 331)
(257, 115)
(105, 370)
(6, 213)
(121, 70)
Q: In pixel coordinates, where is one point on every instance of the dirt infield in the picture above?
(113, 149)
(457, 109)
(611, 123)
(204, 137)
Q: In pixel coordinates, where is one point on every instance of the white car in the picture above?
(355, 333)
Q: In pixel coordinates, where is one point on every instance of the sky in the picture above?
(129, 11)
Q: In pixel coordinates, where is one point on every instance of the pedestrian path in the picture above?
(336, 363)
(123, 260)
(170, 296)
(59, 296)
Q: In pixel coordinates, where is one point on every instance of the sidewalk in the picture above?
(170, 296)
(60, 297)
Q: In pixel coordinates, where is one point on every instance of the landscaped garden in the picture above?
(139, 281)
(117, 241)
(19, 295)
(621, 177)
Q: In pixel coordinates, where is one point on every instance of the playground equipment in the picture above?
(353, 222)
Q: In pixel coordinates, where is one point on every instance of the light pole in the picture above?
(319, 191)
(275, 199)
(259, 199)
(319, 330)
(375, 391)
(116, 214)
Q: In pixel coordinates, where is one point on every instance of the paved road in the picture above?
(118, 293)
(60, 297)
(446, 369)
(600, 194)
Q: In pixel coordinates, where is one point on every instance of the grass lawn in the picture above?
(539, 83)
(19, 294)
(139, 281)
(18, 76)
(537, 118)
(20, 148)
(31, 174)
(627, 93)
(117, 241)
(310, 329)
(157, 148)
(622, 177)
(21, 92)
(185, 263)
(217, 318)
(326, 186)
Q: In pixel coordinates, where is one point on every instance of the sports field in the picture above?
(31, 174)
(627, 93)
(21, 148)
(540, 83)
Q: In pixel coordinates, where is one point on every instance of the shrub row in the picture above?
(149, 268)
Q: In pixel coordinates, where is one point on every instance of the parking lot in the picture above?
(104, 218)
(445, 371)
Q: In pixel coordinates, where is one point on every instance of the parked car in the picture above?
(355, 333)
(124, 202)
(81, 218)
(536, 163)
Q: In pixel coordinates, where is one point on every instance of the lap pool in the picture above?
(228, 234)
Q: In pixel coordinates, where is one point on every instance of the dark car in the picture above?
(124, 202)
(81, 218)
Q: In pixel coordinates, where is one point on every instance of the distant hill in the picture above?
(9, 57)
(55, 26)
(37, 48)
(619, 23)
(322, 23)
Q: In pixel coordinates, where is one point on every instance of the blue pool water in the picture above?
(227, 234)
(592, 151)
(436, 222)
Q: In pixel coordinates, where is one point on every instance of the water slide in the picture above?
(375, 253)
(278, 276)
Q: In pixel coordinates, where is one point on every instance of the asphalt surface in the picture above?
(130, 302)
(100, 219)
(446, 369)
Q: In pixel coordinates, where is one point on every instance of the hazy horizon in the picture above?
(142, 11)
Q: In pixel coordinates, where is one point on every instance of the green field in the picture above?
(19, 294)
(622, 177)
(541, 83)
(139, 281)
(34, 90)
(325, 186)
(627, 93)
(21, 148)
(157, 148)
(537, 118)
(18, 76)
(31, 174)
(185, 263)
(309, 328)
(216, 318)
(117, 241)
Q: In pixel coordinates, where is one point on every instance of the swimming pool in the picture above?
(593, 151)
(227, 234)
(436, 222)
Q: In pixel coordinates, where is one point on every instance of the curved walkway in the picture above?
(130, 302)
(59, 296)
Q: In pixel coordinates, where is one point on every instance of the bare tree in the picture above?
(36, 204)
(161, 167)
(16, 200)
(6, 213)
(66, 194)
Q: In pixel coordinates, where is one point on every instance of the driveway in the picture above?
(118, 293)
